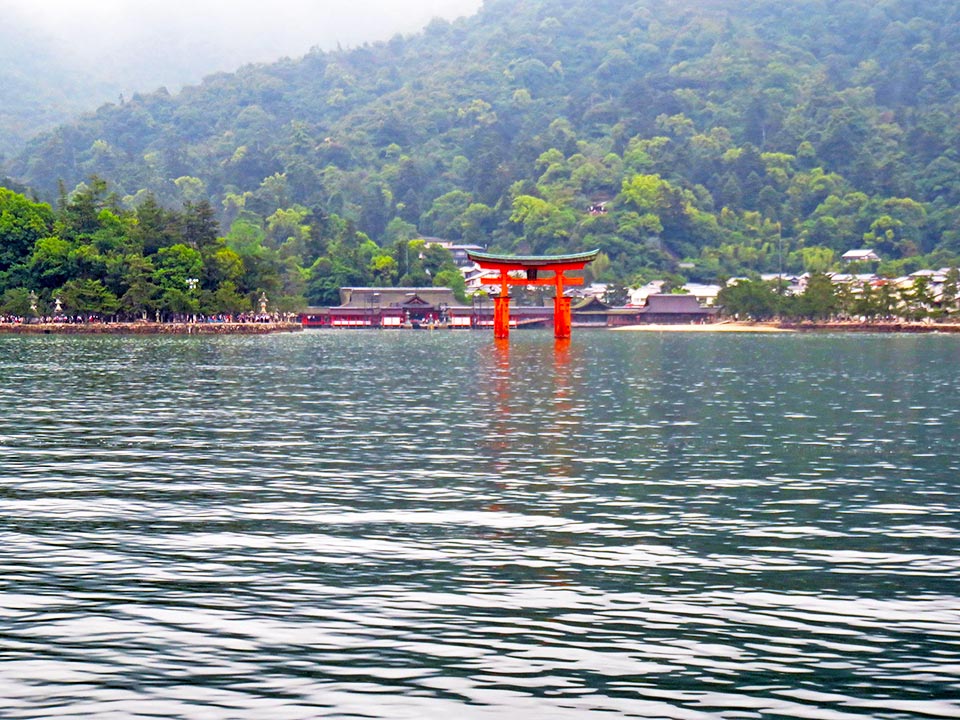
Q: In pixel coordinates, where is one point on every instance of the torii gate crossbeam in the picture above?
(531, 266)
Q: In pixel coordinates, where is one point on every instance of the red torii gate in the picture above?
(531, 265)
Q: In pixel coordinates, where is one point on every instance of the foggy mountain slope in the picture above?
(38, 87)
(59, 58)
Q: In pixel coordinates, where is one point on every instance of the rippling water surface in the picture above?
(429, 525)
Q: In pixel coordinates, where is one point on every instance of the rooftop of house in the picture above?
(860, 254)
(383, 297)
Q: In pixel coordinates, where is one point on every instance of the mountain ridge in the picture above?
(716, 132)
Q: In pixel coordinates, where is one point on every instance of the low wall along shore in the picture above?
(149, 328)
(880, 326)
(255, 328)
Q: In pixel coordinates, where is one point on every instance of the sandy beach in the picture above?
(709, 328)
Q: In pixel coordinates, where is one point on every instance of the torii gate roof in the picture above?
(521, 262)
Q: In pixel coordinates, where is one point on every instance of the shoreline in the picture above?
(148, 328)
(792, 327)
(875, 327)
(253, 328)
(718, 327)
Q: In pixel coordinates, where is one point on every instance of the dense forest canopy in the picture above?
(707, 137)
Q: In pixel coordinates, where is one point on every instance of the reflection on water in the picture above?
(420, 525)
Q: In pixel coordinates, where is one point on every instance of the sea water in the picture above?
(433, 525)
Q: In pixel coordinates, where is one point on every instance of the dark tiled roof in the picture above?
(362, 297)
(590, 304)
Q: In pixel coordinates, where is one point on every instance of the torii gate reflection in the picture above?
(531, 265)
(534, 456)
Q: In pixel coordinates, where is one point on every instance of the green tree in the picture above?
(88, 297)
(177, 302)
(221, 264)
(198, 225)
(177, 268)
(477, 223)
(751, 299)
(616, 295)
(949, 291)
(154, 227)
(80, 215)
(22, 224)
(445, 217)
(916, 300)
(287, 231)
(51, 263)
(636, 227)
(226, 299)
(865, 303)
(819, 299)
(453, 279)
(141, 298)
(384, 270)
(191, 189)
(817, 259)
(643, 192)
(436, 258)
(17, 301)
(545, 225)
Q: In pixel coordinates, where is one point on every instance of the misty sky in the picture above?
(170, 42)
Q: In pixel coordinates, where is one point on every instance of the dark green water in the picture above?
(426, 525)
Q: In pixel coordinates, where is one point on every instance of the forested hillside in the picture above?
(709, 137)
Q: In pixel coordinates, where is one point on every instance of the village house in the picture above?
(860, 255)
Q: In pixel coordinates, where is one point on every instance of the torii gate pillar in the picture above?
(501, 317)
(530, 266)
(562, 321)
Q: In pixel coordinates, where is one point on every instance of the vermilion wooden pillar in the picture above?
(562, 322)
(501, 317)
(530, 267)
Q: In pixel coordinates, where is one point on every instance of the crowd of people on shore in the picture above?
(64, 319)
(45, 319)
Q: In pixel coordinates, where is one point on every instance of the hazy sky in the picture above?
(179, 35)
